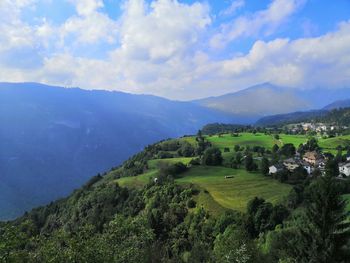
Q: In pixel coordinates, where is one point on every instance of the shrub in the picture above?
(212, 156)
(191, 203)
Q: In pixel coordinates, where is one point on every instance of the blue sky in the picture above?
(176, 49)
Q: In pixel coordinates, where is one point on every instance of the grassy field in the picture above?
(153, 164)
(295, 139)
(234, 193)
(331, 144)
(205, 200)
(267, 141)
(137, 181)
(243, 139)
(218, 194)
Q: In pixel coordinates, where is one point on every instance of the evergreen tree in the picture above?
(265, 164)
(325, 232)
(275, 148)
(212, 156)
(249, 163)
(332, 168)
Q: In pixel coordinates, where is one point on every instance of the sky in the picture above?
(178, 49)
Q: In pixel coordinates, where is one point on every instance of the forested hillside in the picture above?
(338, 117)
(193, 199)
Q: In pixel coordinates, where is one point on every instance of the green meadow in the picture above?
(244, 139)
(267, 141)
(137, 181)
(234, 193)
(217, 193)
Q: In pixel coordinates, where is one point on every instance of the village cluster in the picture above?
(310, 161)
(320, 128)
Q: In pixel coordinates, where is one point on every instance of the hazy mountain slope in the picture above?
(290, 117)
(338, 104)
(339, 116)
(267, 99)
(52, 139)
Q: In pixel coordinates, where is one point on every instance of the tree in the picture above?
(237, 148)
(234, 245)
(11, 241)
(172, 170)
(326, 231)
(265, 164)
(288, 150)
(236, 161)
(316, 173)
(275, 148)
(339, 156)
(129, 239)
(311, 144)
(249, 163)
(186, 150)
(332, 168)
(298, 175)
(212, 156)
(263, 216)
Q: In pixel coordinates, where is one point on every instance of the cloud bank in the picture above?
(168, 48)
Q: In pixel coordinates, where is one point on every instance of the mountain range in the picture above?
(267, 99)
(52, 139)
(301, 116)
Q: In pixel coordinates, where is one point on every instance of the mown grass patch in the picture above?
(205, 200)
(137, 181)
(296, 140)
(236, 192)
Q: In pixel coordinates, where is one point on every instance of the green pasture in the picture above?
(267, 141)
(154, 164)
(236, 192)
(137, 181)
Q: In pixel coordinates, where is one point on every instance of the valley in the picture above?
(174, 190)
(232, 193)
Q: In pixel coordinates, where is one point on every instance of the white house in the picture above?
(344, 168)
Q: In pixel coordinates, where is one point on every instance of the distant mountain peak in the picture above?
(269, 99)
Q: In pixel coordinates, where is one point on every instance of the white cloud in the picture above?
(234, 6)
(14, 33)
(309, 62)
(261, 22)
(87, 7)
(91, 29)
(162, 48)
(162, 30)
